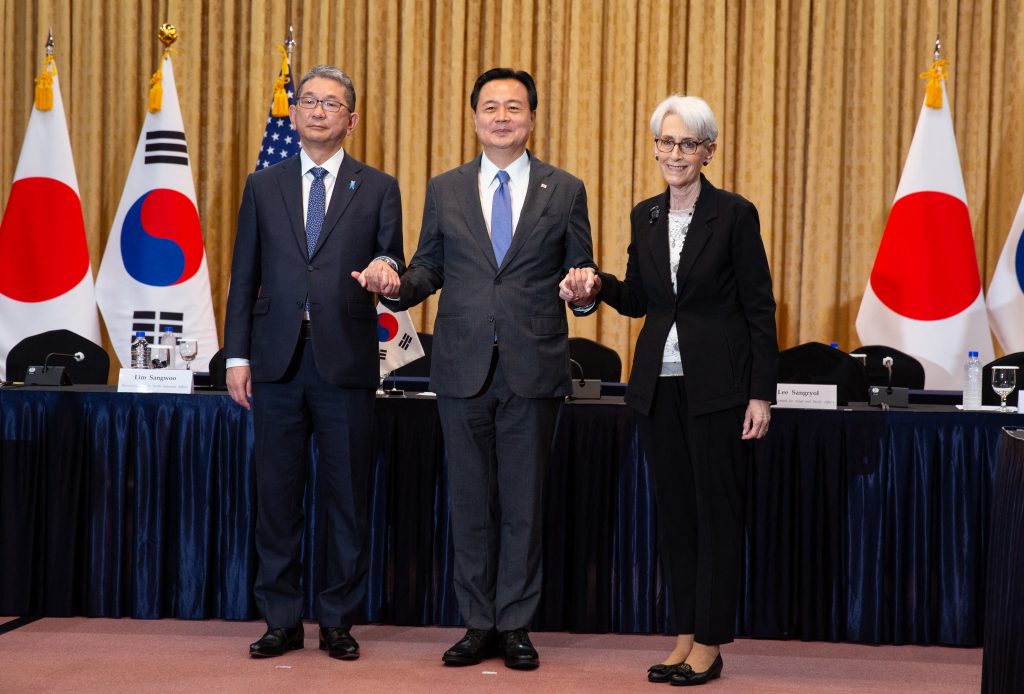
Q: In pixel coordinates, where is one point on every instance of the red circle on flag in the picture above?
(42, 240)
(926, 267)
(387, 327)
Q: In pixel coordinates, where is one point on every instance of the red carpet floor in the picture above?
(125, 655)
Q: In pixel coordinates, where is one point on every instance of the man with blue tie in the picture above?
(498, 234)
(300, 337)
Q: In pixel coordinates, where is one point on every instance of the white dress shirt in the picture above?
(518, 184)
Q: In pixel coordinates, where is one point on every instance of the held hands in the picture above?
(379, 277)
(580, 286)
(755, 421)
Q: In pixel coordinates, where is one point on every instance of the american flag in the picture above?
(280, 140)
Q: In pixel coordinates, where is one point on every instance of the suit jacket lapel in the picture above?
(658, 245)
(538, 194)
(699, 232)
(344, 190)
(289, 178)
(468, 194)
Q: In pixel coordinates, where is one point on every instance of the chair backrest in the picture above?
(988, 396)
(813, 362)
(218, 370)
(33, 350)
(420, 367)
(907, 372)
(595, 360)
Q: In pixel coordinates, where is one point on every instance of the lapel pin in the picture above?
(351, 185)
(543, 185)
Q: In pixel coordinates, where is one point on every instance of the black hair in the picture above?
(505, 73)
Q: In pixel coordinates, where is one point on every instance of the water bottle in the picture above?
(972, 382)
(139, 345)
(169, 340)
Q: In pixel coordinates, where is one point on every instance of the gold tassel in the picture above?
(44, 85)
(933, 90)
(156, 89)
(280, 108)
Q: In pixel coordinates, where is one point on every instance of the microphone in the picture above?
(47, 375)
(655, 213)
(573, 362)
(77, 356)
(887, 363)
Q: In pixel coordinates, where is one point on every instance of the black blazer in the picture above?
(518, 300)
(724, 311)
(271, 273)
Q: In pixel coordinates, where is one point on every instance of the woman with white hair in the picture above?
(703, 376)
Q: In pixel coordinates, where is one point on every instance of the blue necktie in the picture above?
(316, 208)
(501, 218)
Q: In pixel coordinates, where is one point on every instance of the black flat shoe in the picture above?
(476, 645)
(661, 672)
(277, 642)
(338, 643)
(685, 676)
(519, 652)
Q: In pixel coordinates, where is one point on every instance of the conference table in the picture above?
(861, 525)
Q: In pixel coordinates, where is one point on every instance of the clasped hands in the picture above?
(580, 286)
(380, 278)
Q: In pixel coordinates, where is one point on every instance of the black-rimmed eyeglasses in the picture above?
(667, 144)
(330, 105)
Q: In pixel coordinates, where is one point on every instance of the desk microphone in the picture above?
(573, 362)
(47, 375)
(887, 363)
(77, 356)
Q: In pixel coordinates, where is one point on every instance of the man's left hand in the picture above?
(755, 421)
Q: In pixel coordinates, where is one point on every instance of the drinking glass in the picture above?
(188, 348)
(1004, 380)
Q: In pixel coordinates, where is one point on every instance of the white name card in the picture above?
(155, 381)
(807, 396)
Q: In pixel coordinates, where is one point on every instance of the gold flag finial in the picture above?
(167, 34)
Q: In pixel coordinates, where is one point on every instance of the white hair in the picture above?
(692, 110)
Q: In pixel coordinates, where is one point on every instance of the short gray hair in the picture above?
(692, 110)
(332, 73)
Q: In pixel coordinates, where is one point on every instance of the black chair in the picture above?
(595, 360)
(218, 370)
(988, 396)
(813, 362)
(907, 372)
(32, 351)
(420, 367)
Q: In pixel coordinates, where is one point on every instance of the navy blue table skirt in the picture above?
(862, 526)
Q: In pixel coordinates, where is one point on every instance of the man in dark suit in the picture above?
(301, 340)
(498, 234)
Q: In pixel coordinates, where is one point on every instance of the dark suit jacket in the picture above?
(724, 311)
(271, 274)
(519, 300)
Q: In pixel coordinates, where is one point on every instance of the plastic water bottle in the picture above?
(139, 345)
(169, 340)
(972, 382)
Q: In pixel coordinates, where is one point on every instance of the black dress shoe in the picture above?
(476, 645)
(277, 642)
(338, 643)
(519, 652)
(685, 676)
(661, 672)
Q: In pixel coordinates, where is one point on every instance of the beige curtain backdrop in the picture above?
(816, 103)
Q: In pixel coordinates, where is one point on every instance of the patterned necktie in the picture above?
(316, 208)
(501, 218)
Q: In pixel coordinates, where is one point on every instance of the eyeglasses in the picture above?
(667, 144)
(330, 105)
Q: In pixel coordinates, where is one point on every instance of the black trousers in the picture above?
(698, 465)
(342, 420)
(498, 446)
